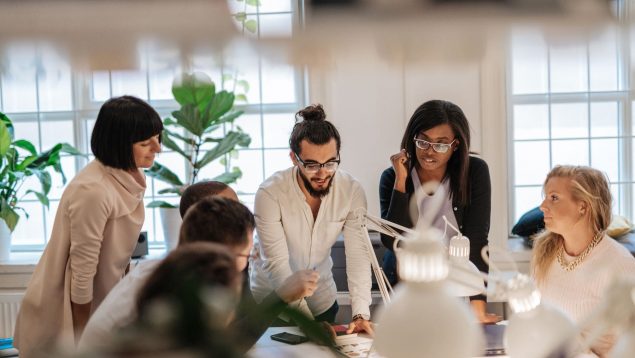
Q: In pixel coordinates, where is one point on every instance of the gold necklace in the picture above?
(570, 266)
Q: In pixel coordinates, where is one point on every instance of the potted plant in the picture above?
(20, 160)
(203, 110)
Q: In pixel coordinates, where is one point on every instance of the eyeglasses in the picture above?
(437, 147)
(314, 167)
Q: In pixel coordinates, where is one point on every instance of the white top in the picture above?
(439, 202)
(118, 308)
(579, 292)
(290, 240)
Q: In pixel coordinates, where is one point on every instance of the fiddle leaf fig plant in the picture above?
(20, 160)
(193, 128)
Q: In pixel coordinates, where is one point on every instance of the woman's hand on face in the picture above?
(400, 164)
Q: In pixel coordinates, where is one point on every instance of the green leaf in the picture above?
(244, 84)
(164, 174)
(173, 190)
(40, 196)
(193, 89)
(5, 139)
(229, 117)
(241, 98)
(251, 26)
(26, 145)
(223, 147)
(169, 143)
(252, 2)
(26, 162)
(228, 77)
(161, 204)
(7, 122)
(221, 104)
(69, 149)
(45, 179)
(9, 215)
(185, 139)
(229, 177)
(189, 118)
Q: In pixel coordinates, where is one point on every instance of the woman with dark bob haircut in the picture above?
(96, 228)
(436, 148)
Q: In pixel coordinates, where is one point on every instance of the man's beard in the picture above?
(315, 193)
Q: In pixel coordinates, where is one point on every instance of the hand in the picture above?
(478, 306)
(400, 164)
(361, 325)
(299, 285)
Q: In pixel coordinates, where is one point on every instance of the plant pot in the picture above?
(171, 223)
(5, 241)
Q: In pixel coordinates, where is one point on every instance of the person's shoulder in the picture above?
(388, 173)
(278, 180)
(477, 162)
(617, 252)
(346, 180)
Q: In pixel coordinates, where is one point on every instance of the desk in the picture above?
(268, 348)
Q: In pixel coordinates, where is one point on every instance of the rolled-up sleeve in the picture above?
(88, 213)
(358, 267)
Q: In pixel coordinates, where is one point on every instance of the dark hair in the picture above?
(217, 219)
(434, 113)
(190, 269)
(198, 191)
(311, 124)
(121, 122)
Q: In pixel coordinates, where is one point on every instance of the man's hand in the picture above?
(361, 325)
(299, 285)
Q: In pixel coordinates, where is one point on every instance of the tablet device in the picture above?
(289, 338)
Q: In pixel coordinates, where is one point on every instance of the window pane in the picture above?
(240, 6)
(19, 80)
(275, 6)
(250, 162)
(101, 86)
(604, 119)
(568, 69)
(161, 84)
(54, 88)
(603, 61)
(532, 162)
(54, 132)
(276, 160)
(280, 26)
(30, 231)
(569, 120)
(278, 83)
(278, 129)
(57, 185)
(570, 152)
(527, 198)
(163, 66)
(531, 121)
(529, 62)
(247, 200)
(28, 131)
(129, 83)
(605, 157)
(175, 163)
(213, 170)
(250, 123)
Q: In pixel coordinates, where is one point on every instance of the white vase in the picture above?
(171, 223)
(5, 241)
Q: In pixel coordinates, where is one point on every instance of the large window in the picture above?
(50, 102)
(570, 103)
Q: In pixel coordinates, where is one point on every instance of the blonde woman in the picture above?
(574, 260)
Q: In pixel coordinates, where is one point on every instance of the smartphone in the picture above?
(289, 338)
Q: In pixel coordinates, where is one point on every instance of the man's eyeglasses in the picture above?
(437, 147)
(313, 167)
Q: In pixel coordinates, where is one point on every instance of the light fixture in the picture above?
(464, 277)
(424, 319)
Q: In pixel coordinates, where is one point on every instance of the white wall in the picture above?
(370, 100)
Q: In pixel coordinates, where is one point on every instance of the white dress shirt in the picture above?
(117, 309)
(291, 240)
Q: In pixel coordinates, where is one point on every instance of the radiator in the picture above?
(9, 306)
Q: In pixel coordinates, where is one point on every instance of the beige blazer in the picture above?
(95, 231)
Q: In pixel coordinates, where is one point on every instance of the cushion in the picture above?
(530, 223)
(619, 226)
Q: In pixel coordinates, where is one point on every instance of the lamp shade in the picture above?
(424, 319)
(535, 329)
(464, 276)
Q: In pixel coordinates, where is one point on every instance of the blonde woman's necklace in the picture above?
(570, 266)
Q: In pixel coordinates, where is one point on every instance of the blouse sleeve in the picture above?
(393, 204)
(88, 212)
(476, 218)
